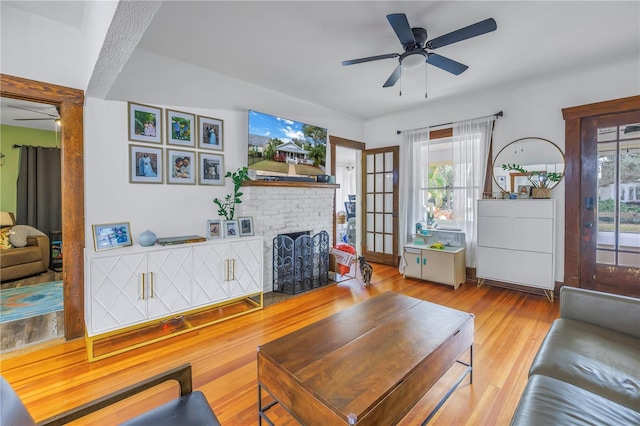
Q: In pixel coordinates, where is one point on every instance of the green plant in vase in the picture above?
(541, 181)
(227, 207)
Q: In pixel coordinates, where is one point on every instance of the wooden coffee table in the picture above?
(367, 365)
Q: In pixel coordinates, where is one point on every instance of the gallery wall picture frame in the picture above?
(245, 225)
(210, 133)
(145, 123)
(181, 128)
(230, 229)
(181, 167)
(502, 182)
(210, 169)
(111, 235)
(145, 164)
(214, 229)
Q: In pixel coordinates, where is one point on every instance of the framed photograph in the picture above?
(210, 133)
(246, 226)
(350, 206)
(211, 169)
(181, 167)
(230, 229)
(181, 128)
(145, 164)
(524, 191)
(111, 235)
(214, 229)
(145, 123)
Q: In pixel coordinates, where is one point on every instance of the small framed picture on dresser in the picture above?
(524, 191)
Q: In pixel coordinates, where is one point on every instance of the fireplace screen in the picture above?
(300, 263)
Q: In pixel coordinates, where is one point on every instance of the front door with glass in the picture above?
(610, 212)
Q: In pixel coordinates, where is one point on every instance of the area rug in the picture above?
(30, 301)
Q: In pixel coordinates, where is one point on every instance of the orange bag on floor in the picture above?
(344, 254)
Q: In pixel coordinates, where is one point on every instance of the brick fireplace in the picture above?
(283, 208)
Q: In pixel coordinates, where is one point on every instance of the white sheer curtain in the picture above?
(409, 179)
(471, 142)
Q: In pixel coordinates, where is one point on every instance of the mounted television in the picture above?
(283, 149)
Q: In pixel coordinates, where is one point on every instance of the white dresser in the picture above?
(516, 242)
(135, 286)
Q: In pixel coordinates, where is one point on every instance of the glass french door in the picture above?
(610, 215)
(380, 181)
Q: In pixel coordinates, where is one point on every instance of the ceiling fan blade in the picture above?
(395, 75)
(401, 26)
(446, 64)
(32, 110)
(473, 30)
(370, 58)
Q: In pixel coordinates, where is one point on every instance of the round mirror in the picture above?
(529, 161)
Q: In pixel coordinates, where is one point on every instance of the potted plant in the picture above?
(541, 181)
(227, 207)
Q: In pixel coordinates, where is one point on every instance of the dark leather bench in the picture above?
(191, 408)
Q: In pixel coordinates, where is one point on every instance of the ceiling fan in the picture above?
(54, 117)
(415, 45)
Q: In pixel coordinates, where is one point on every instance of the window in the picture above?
(449, 177)
(436, 181)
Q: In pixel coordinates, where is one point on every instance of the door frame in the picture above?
(573, 199)
(345, 143)
(71, 104)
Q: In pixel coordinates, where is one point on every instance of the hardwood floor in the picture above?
(509, 327)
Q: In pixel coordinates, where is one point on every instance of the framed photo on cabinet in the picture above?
(246, 226)
(145, 123)
(145, 164)
(214, 229)
(181, 128)
(210, 133)
(111, 235)
(230, 229)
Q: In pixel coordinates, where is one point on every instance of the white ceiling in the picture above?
(296, 47)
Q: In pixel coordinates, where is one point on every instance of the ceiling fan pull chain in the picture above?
(425, 81)
(400, 81)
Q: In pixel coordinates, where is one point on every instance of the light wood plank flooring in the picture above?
(509, 327)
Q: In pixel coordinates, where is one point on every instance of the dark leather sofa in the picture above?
(587, 370)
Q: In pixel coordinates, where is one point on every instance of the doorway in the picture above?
(346, 166)
(31, 292)
(610, 219)
(602, 146)
(71, 103)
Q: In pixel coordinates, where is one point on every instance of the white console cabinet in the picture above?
(516, 242)
(438, 266)
(135, 286)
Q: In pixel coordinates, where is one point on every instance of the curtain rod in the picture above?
(14, 146)
(496, 115)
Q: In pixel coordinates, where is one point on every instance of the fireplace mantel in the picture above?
(282, 183)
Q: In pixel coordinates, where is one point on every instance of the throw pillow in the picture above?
(4, 238)
(20, 234)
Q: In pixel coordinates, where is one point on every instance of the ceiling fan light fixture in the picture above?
(413, 60)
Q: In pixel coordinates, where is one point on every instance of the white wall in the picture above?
(45, 50)
(534, 109)
(167, 210)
